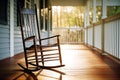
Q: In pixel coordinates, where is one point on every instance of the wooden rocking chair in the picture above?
(36, 54)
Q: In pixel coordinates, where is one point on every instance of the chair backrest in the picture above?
(28, 23)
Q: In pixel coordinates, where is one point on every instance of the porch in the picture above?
(81, 63)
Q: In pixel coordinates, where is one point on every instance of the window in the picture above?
(24, 3)
(27, 3)
(20, 4)
(3, 11)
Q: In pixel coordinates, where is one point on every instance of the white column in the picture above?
(38, 10)
(104, 9)
(88, 16)
(48, 26)
(44, 15)
(11, 28)
(85, 17)
(94, 11)
(85, 24)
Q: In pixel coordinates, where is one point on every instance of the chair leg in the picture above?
(60, 57)
(41, 52)
(42, 57)
(28, 70)
(26, 60)
(36, 55)
(59, 49)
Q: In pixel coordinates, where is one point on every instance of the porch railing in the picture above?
(105, 35)
(69, 35)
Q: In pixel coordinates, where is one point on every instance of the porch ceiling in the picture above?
(68, 2)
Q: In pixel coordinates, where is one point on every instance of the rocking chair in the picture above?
(36, 54)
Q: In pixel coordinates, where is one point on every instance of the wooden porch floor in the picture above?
(81, 63)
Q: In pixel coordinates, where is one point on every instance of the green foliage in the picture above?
(112, 10)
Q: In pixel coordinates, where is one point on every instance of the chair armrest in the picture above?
(50, 37)
(30, 38)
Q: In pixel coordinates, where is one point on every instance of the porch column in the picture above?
(87, 14)
(49, 24)
(49, 21)
(51, 18)
(104, 9)
(85, 24)
(38, 9)
(44, 14)
(11, 28)
(94, 11)
(85, 17)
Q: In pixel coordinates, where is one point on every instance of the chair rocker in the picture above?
(36, 54)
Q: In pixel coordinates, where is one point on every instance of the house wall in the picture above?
(5, 34)
(18, 47)
(5, 37)
(4, 41)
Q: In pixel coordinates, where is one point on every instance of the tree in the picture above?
(68, 16)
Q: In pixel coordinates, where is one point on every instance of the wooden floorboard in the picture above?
(81, 63)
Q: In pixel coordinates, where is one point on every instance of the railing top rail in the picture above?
(75, 28)
(106, 20)
(112, 18)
